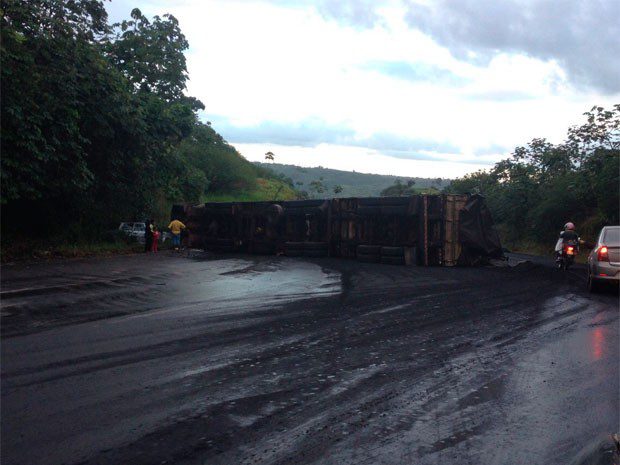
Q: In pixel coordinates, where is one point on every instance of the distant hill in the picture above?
(353, 184)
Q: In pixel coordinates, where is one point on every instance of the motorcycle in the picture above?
(566, 257)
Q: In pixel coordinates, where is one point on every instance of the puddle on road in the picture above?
(239, 283)
(234, 286)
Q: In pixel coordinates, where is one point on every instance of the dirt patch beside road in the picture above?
(275, 360)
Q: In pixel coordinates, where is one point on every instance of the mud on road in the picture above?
(174, 359)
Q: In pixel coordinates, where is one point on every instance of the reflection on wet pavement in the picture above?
(282, 361)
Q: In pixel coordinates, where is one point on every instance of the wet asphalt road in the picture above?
(248, 360)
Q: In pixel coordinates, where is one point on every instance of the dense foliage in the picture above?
(96, 127)
(398, 189)
(542, 186)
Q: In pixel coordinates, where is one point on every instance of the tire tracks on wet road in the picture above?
(282, 361)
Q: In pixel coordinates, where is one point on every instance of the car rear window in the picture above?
(612, 237)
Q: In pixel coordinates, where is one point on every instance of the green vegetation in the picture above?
(43, 249)
(96, 128)
(337, 183)
(400, 189)
(266, 189)
(542, 186)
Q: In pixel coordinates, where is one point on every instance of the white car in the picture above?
(134, 230)
(604, 260)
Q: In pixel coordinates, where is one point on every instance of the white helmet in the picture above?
(569, 226)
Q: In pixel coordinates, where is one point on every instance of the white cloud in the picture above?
(257, 62)
(359, 159)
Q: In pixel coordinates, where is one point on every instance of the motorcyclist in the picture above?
(568, 235)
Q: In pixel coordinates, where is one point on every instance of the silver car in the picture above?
(604, 260)
(133, 230)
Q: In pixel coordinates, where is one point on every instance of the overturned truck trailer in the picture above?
(423, 230)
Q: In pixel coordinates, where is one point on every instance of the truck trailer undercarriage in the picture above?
(425, 230)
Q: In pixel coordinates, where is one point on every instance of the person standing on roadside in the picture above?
(155, 239)
(175, 228)
(148, 235)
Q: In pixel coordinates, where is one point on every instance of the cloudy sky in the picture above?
(404, 87)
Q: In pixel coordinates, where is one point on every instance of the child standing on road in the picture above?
(155, 240)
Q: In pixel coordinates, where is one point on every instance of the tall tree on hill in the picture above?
(318, 186)
(150, 54)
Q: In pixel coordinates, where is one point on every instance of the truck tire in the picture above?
(389, 260)
(315, 246)
(294, 245)
(368, 258)
(369, 249)
(392, 252)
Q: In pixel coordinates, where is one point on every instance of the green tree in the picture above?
(49, 51)
(601, 131)
(542, 185)
(398, 189)
(222, 166)
(150, 54)
(85, 140)
(318, 186)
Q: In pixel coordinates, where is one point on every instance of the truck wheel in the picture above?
(388, 260)
(369, 249)
(392, 252)
(315, 246)
(368, 258)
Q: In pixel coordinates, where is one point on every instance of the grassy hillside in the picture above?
(353, 184)
(266, 189)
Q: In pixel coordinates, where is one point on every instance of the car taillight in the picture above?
(603, 254)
